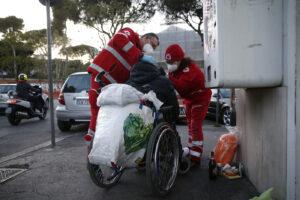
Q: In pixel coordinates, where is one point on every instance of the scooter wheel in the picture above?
(13, 119)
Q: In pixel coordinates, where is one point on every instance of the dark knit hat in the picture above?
(174, 52)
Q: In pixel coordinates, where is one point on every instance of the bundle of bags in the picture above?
(226, 148)
(123, 126)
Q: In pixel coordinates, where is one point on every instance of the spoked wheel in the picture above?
(104, 176)
(162, 159)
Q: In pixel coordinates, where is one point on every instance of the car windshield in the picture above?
(5, 88)
(225, 93)
(77, 83)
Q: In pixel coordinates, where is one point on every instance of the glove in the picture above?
(147, 58)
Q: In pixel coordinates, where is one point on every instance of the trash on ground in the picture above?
(264, 196)
(226, 148)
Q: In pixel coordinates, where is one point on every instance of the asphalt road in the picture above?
(29, 133)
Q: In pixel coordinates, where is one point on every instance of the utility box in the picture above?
(243, 43)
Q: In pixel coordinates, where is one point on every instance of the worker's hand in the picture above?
(147, 58)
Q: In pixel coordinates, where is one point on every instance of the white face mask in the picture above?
(172, 68)
(147, 48)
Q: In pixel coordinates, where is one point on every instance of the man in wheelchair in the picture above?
(124, 143)
(145, 76)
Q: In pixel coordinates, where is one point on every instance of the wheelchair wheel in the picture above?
(162, 159)
(103, 176)
(185, 165)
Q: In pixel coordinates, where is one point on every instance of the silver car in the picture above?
(4, 88)
(73, 101)
(224, 106)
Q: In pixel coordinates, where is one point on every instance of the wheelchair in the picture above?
(162, 160)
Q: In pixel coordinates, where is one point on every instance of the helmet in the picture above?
(22, 77)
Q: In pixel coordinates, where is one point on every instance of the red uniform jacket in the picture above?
(189, 83)
(117, 58)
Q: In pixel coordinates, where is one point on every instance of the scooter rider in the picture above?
(147, 74)
(24, 91)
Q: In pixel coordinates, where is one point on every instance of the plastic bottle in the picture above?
(212, 167)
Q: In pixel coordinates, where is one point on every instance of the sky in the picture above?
(34, 15)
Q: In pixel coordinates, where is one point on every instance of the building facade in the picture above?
(189, 41)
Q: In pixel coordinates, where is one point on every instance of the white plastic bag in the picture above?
(151, 96)
(117, 131)
(118, 94)
(123, 127)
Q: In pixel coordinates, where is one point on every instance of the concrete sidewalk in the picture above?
(61, 173)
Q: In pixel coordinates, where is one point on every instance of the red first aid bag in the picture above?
(226, 148)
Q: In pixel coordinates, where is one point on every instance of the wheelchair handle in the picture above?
(98, 79)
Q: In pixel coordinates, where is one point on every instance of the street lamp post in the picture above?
(47, 3)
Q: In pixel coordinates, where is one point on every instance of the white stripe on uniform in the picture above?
(91, 131)
(123, 34)
(106, 75)
(96, 67)
(110, 78)
(119, 57)
(127, 46)
(194, 153)
(197, 143)
(197, 106)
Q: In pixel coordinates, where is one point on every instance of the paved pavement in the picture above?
(61, 173)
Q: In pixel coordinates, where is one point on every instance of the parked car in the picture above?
(224, 106)
(73, 101)
(4, 88)
(182, 115)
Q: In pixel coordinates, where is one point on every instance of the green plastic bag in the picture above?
(264, 196)
(136, 133)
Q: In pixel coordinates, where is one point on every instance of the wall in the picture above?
(268, 120)
(298, 100)
(261, 120)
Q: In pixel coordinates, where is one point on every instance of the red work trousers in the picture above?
(195, 114)
(93, 95)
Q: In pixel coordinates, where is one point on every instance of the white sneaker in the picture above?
(186, 151)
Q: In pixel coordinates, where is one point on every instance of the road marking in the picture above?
(31, 149)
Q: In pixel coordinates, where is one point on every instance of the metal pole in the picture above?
(50, 74)
(232, 107)
(217, 107)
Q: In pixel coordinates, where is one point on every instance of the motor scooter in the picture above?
(18, 108)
